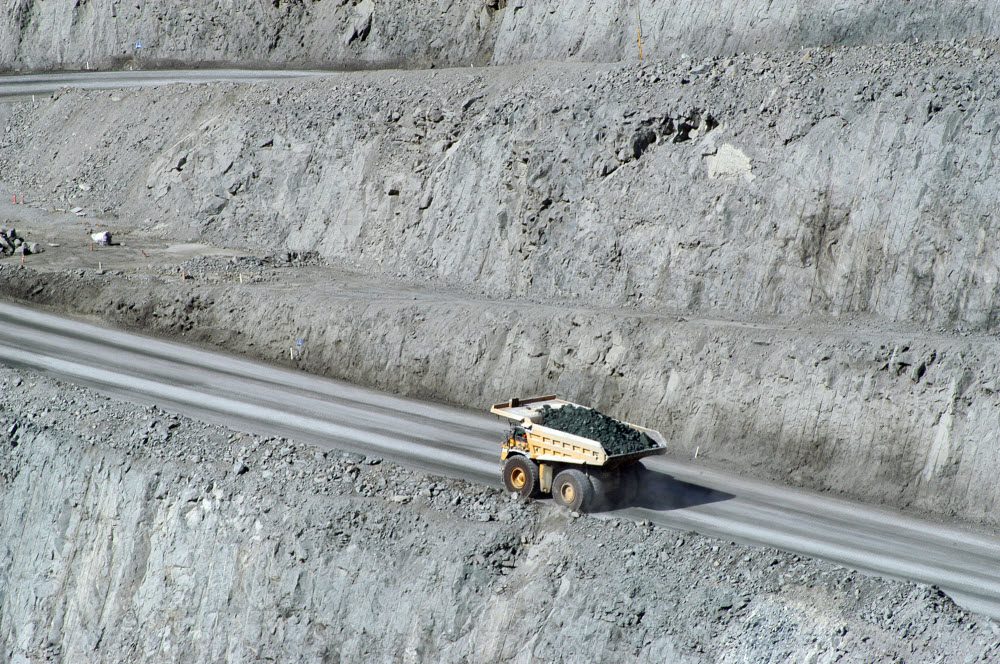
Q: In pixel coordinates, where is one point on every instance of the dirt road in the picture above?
(43, 84)
(678, 494)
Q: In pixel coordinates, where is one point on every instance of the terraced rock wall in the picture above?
(846, 183)
(906, 420)
(35, 34)
(790, 264)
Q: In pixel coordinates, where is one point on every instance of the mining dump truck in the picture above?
(584, 459)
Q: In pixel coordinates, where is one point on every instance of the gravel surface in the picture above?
(160, 539)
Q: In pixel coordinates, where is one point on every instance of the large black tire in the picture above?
(520, 476)
(628, 484)
(605, 491)
(572, 489)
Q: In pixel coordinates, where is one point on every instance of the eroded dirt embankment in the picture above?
(778, 262)
(367, 34)
(130, 534)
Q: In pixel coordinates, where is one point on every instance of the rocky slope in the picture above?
(906, 420)
(788, 263)
(746, 187)
(364, 33)
(131, 534)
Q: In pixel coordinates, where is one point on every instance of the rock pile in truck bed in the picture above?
(616, 437)
(11, 243)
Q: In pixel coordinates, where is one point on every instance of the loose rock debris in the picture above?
(417, 546)
(11, 243)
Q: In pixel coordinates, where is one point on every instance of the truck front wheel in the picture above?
(572, 489)
(520, 476)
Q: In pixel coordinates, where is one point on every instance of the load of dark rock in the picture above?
(616, 437)
(11, 243)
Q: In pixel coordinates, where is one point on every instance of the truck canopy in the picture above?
(527, 411)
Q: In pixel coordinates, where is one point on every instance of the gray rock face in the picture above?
(825, 226)
(845, 183)
(144, 544)
(607, 30)
(101, 33)
(104, 33)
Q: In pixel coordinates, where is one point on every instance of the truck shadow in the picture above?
(662, 492)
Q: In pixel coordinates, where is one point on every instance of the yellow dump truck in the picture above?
(577, 471)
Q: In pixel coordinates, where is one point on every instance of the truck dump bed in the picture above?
(552, 445)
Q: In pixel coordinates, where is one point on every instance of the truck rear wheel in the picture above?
(520, 476)
(628, 484)
(572, 489)
(605, 490)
